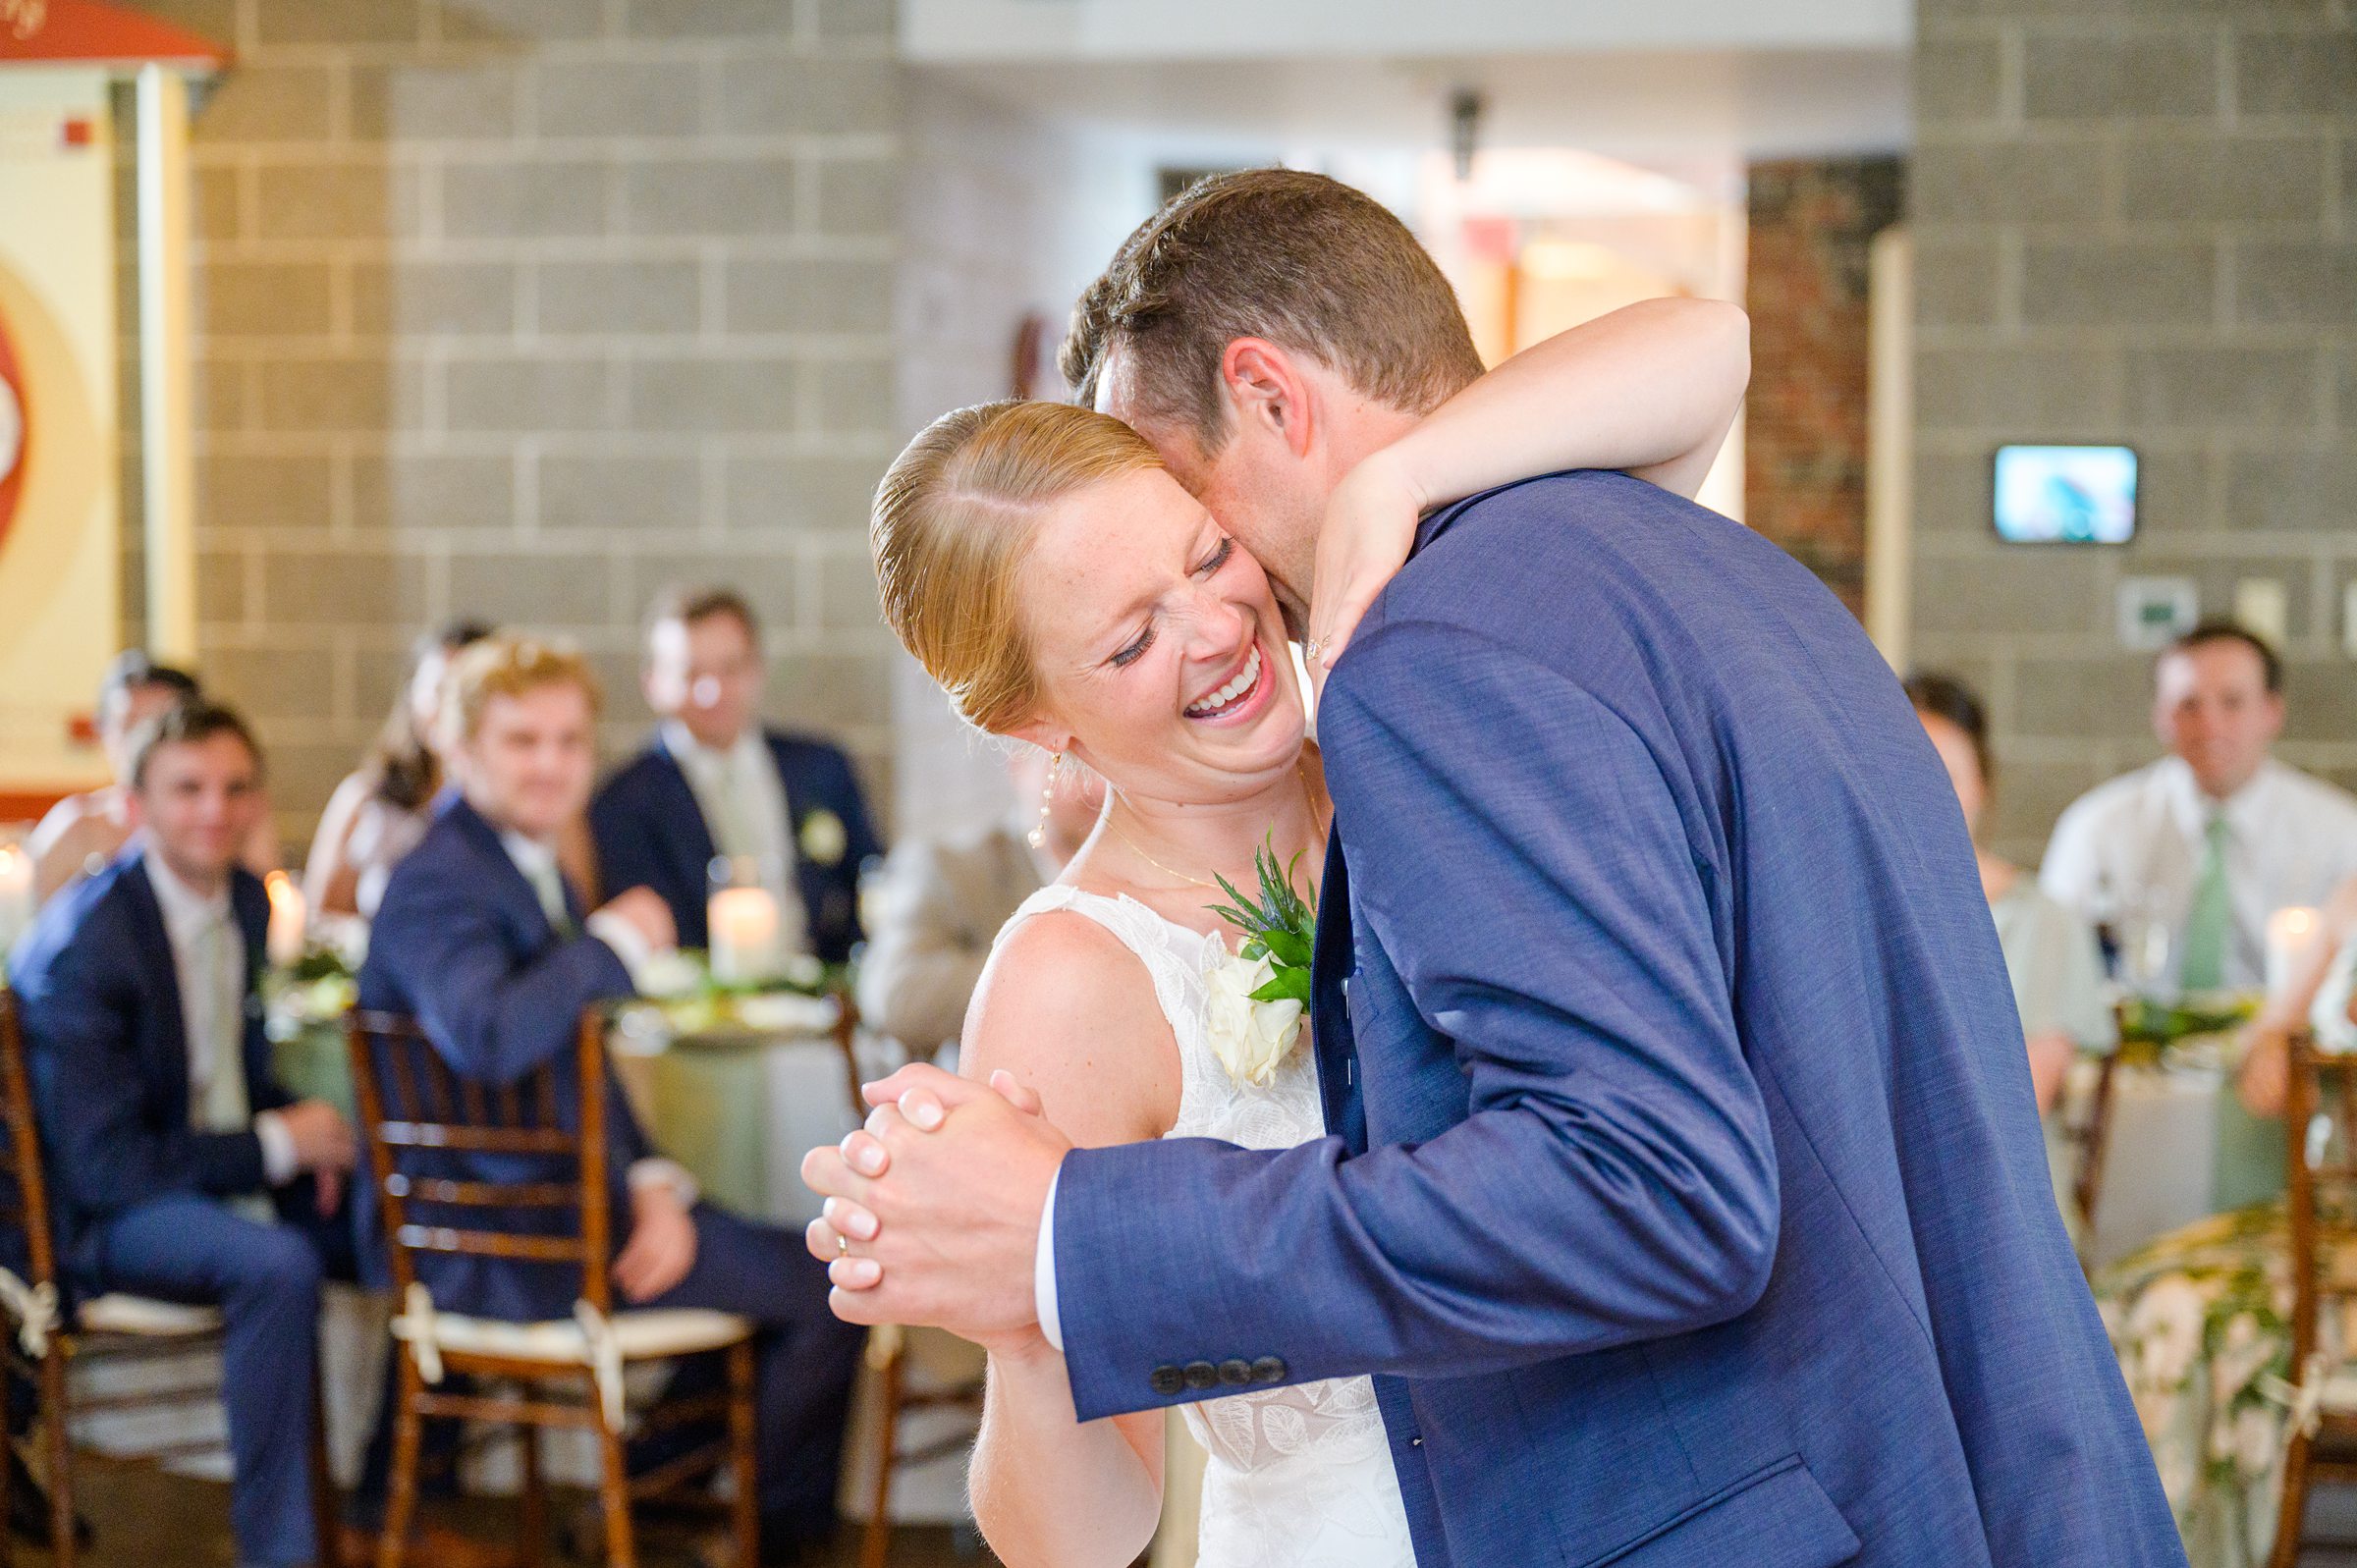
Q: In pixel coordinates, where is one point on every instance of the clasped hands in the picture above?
(933, 1207)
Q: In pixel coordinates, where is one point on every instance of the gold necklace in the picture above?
(1141, 849)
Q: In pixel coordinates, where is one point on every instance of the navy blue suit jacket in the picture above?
(1684, 1190)
(462, 944)
(651, 833)
(99, 1003)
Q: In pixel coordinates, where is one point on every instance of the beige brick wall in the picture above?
(521, 308)
(2135, 222)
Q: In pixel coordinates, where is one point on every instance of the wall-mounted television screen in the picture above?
(2066, 495)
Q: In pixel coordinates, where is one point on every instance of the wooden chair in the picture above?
(48, 1336)
(2319, 1113)
(414, 1113)
(888, 1358)
(2089, 1135)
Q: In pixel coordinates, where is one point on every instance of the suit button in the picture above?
(1166, 1381)
(1269, 1369)
(1235, 1373)
(1202, 1374)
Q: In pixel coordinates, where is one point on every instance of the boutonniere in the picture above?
(1259, 992)
(823, 837)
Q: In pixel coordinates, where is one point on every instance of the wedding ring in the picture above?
(1309, 651)
(843, 1245)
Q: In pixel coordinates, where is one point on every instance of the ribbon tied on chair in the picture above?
(35, 1307)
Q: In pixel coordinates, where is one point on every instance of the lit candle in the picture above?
(284, 944)
(16, 895)
(745, 935)
(2291, 935)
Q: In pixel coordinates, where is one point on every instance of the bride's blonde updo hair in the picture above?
(952, 522)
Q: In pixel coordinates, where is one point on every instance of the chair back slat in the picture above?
(425, 1124)
(2320, 1117)
(24, 1188)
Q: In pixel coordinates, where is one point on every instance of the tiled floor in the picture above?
(146, 1518)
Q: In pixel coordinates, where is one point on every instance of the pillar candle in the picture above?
(16, 895)
(285, 941)
(2291, 934)
(745, 935)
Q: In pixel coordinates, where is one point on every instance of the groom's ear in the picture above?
(1265, 387)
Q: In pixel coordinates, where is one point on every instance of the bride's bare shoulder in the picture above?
(1071, 1011)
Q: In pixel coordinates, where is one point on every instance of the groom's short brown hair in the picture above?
(1297, 258)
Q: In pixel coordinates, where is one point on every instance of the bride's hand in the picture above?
(1369, 527)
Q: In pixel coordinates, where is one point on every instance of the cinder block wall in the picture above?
(1812, 224)
(521, 308)
(2135, 222)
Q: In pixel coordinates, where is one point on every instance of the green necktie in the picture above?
(2210, 919)
(548, 884)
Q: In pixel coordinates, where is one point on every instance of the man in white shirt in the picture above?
(483, 940)
(784, 810)
(2215, 837)
(183, 1168)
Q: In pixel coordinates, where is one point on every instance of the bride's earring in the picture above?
(1037, 838)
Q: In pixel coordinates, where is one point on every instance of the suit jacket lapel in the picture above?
(153, 958)
(1330, 963)
(679, 819)
(503, 871)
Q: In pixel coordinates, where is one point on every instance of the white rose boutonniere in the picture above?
(1249, 1037)
(823, 837)
(1258, 993)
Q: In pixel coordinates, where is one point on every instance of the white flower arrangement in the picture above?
(1258, 993)
(1250, 1037)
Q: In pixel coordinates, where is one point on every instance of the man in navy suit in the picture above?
(1684, 1190)
(712, 782)
(181, 1167)
(483, 940)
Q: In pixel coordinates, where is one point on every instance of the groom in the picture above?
(1682, 1189)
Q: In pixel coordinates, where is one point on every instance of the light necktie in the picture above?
(548, 884)
(2210, 918)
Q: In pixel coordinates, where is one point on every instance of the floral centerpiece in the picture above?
(1259, 992)
(315, 991)
(2150, 1031)
(680, 996)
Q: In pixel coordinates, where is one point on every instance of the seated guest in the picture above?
(2051, 954)
(939, 904)
(181, 1168)
(379, 812)
(2216, 837)
(713, 782)
(481, 937)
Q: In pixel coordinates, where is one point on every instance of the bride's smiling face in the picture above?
(1159, 652)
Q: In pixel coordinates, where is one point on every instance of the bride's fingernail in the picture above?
(922, 1109)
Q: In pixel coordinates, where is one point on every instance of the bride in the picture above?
(1065, 590)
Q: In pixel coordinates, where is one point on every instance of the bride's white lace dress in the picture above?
(1298, 1477)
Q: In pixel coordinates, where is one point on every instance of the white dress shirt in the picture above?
(538, 863)
(746, 811)
(2137, 844)
(208, 964)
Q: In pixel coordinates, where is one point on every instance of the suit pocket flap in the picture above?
(1776, 1518)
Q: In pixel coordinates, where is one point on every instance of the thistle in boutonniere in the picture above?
(1258, 993)
(823, 837)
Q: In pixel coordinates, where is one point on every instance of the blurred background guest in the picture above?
(83, 833)
(182, 1167)
(2211, 840)
(713, 782)
(937, 904)
(382, 809)
(483, 940)
(2051, 954)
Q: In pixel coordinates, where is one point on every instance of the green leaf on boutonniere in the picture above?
(1281, 924)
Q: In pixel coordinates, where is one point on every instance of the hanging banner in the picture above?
(61, 553)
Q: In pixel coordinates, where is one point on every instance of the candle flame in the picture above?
(279, 886)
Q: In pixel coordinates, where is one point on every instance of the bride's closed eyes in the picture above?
(1135, 649)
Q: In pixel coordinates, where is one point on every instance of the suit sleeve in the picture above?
(625, 856)
(101, 1142)
(494, 1022)
(1516, 850)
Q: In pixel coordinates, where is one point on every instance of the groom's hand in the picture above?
(947, 1181)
